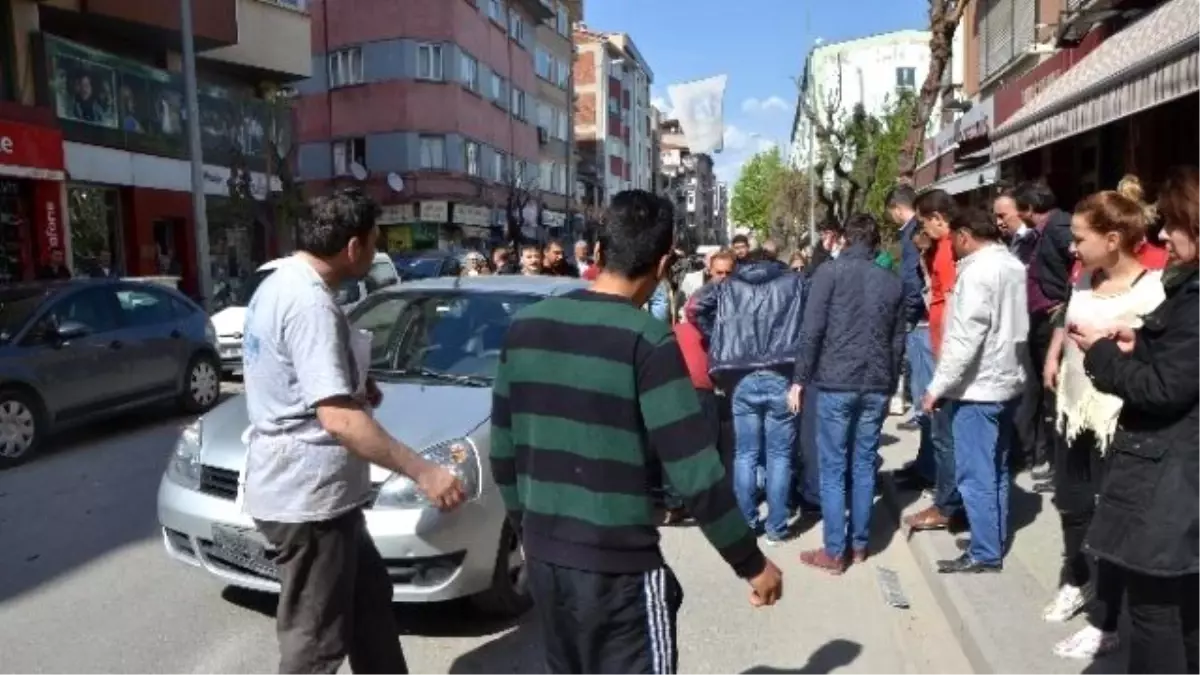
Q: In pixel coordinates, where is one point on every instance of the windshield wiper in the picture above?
(465, 380)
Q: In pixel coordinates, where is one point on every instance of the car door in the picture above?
(153, 339)
(81, 375)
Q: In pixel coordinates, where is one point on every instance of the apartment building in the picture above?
(687, 179)
(93, 148)
(869, 71)
(613, 126)
(554, 58)
(434, 107)
(721, 212)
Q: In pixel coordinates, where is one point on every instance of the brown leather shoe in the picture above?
(927, 519)
(859, 556)
(821, 560)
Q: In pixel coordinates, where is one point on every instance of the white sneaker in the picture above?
(1088, 643)
(897, 406)
(1067, 603)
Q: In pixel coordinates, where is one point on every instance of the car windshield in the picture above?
(16, 306)
(419, 268)
(439, 335)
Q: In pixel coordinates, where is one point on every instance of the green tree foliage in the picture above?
(755, 190)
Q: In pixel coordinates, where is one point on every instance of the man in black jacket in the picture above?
(752, 322)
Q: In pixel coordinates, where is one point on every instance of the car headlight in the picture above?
(459, 456)
(184, 467)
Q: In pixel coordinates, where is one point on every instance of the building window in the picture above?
(345, 67)
(499, 165)
(495, 88)
(564, 123)
(518, 104)
(429, 62)
(468, 71)
(472, 156)
(614, 105)
(516, 25)
(545, 64)
(348, 152)
(546, 176)
(906, 78)
(564, 74)
(433, 152)
(563, 20)
(544, 116)
(520, 171)
(96, 241)
(560, 178)
(496, 11)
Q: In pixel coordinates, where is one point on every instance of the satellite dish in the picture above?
(358, 171)
(395, 182)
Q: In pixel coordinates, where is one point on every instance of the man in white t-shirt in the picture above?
(312, 440)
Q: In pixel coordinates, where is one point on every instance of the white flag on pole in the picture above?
(699, 107)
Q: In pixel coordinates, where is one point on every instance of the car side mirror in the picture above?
(71, 330)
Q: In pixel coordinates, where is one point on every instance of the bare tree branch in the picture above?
(944, 17)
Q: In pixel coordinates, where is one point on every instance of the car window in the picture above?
(144, 307)
(381, 275)
(182, 308)
(451, 332)
(16, 308)
(95, 308)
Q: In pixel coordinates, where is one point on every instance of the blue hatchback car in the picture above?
(75, 351)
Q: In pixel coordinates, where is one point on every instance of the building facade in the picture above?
(613, 117)
(721, 213)
(435, 109)
(870, 71)
(93, 150)
(687, 179)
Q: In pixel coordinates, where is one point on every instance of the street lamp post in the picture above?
(192, 100)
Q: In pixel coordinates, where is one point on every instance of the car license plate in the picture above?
(242, 548)
(231, 352)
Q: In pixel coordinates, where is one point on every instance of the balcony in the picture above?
(153, 25)
(286, 55)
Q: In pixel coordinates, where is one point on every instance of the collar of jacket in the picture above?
(857, 252)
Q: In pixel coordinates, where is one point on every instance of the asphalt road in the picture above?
(85, 587)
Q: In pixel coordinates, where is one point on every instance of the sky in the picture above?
(759, 44)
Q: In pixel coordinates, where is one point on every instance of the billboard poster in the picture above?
(699, 107)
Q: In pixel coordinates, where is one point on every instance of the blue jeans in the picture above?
(851, 424)
(919, 352)
(982, 438)
(763, 425)
(945, 486)
(809, 485)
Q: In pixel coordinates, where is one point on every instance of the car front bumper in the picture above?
(430, 556)
(230, 352)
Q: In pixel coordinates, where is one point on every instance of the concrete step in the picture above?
(996, 617)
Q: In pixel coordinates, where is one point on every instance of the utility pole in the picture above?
(812, 131)
(199, 211)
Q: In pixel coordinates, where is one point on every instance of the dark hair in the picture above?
(531, 246)
(1179, 200)
(979, 224)
(861, 229)
(901, 195)
(553, 242)
(1033, 196)
(334, 220)
(739, 239)
(641, 231)
(1109, 211)
(830, 225)
(936, 201)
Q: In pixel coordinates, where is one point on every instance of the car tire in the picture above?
(509, 594)
(201, 384)
(23, 426)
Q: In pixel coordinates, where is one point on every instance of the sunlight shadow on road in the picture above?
(828, 658)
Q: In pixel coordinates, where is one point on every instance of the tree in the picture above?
(944, 17)
(754, 191)
(519, 194)
(790, 208)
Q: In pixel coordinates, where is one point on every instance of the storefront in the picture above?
(963, 164)
(472, 225)
(554, 223)
(403, 228)
(32, 230)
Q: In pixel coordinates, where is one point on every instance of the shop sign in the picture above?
(391, 214)
(28, 151)
(47, 217)
(399, 238)
(977, 122)
(435, 212)
(553, 218)
(1011, 97)
(217, 182)
(942, 143)
(466, 214)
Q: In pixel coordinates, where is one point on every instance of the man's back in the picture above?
(853, 332)
(753, 318)
(591, 396)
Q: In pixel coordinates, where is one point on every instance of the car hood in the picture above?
(418, 414)
(229, 321)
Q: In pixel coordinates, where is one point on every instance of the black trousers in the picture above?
(606, 623)
(336, 598)
(1163, 616)
(1035, 428)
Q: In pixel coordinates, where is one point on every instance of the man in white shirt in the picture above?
(980, 376)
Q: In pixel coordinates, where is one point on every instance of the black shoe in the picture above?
(1043, 488)
(909, 425)
(1045, 473)
(964, 565)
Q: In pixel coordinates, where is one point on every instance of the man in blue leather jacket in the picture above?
(752, 324)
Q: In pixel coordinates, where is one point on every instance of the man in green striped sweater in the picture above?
(591, 400)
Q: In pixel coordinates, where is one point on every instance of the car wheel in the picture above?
(201, 384)
(509, 594)
(22, 426)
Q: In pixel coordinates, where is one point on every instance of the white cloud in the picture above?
(766, 105)
(663, 106)
(735, 139)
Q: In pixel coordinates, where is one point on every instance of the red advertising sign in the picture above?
(28, 151)
(47, 218)
(1023, 89)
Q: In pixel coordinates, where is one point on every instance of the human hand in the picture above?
(928, 403)
(374, 395)
(767, 587)
(1085, 336)
(1126, 339)
(1050, 374)
(795, 398)
(441, 487)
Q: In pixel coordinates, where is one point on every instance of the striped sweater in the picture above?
(591, 399)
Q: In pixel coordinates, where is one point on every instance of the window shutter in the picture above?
(1000, 35)
(1024, 30)
(982, 46)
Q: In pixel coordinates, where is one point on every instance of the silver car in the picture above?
(437, 345)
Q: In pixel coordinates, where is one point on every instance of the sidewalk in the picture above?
(997, 617)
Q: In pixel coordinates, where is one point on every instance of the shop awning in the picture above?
(1154, 61)
(971, 179)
